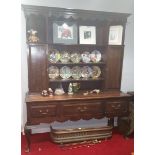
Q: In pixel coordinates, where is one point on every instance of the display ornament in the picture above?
(87, 34)
(33, 36)
(64, 32)
(70, 89)
(115, 35)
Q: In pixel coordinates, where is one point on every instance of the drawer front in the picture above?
(43, 110)
(116, 108)
(86, 108)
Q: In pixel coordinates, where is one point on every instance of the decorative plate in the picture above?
(96, 72)
(76, 72)
(75, 57)
(95, 56)
(54, 56)
(85, 57)
(86, 72)
(53, 72)
(65, 57)
(65, 72)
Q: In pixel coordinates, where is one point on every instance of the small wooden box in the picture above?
(83, 133)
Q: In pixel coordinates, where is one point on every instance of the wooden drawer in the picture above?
(43, 110)
(86, 108)
(116, 108)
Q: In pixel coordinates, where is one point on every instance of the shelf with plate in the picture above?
(80, 63)
(75, 55)
(83, 73)
(76, 65)
(75, 80)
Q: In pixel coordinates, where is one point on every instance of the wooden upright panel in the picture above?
(114, 67)
(37, 68)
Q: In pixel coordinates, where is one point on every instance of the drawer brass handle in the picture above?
(82, 110)
(44, 113)
(115, 102)
(79, 108)
(117, 108)
(85, 108)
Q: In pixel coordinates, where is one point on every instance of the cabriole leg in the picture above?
(27, 134)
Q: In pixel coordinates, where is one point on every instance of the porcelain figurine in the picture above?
(70, 89)
(59, 90)
(44, 93)
(50, 92)
(32, 36)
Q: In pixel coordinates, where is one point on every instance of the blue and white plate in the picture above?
(85, 57)
(96, 72)
(64, 57)
(53, 72)
(86, 72)
(65, 72)
(95, 56)
(75, 57)
(54, 56)
(76, 72)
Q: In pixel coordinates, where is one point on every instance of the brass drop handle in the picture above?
(85, 108)
(117, 108)
(82, 109)
(118, 105)
(44, 113)
(79, 108)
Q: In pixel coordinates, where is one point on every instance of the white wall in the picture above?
(124, 6)
(24, 67)
(127, 83)
(102, 5)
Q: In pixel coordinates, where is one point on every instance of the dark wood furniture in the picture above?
(109, 103)
(61, 108)
(126, 124)
(65, 107)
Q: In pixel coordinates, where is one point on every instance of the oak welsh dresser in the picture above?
(110, 102)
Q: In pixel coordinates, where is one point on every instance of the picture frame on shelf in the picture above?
(64, 32)
(87, 34)
(115, 35)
